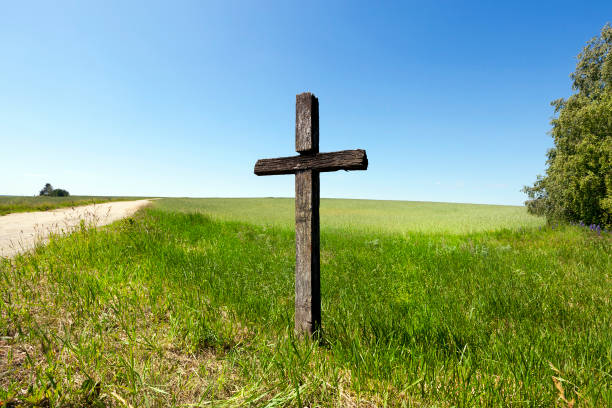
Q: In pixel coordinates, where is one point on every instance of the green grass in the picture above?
(171, 308)
(363, 215)
(13, 204)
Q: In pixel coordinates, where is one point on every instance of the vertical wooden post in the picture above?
(307, 244)
(306, 123)
(306, 168)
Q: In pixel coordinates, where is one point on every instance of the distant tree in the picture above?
(578, 181)
(47, 190)
(58, 192)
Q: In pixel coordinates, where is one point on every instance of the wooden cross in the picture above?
(306, 168)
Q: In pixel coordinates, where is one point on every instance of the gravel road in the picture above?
(20, 232)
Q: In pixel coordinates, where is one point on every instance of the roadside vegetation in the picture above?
(13, 204)
(577, 186)
(188, 308)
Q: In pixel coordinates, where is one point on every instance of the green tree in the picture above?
(47, 190)
(578, 181)
(60, 192)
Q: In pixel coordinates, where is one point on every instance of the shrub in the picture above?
(58, 192)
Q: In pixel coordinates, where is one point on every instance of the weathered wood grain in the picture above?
(306, 123)
(306, 168)
(307, 253)
(322, 162)
(307, 263)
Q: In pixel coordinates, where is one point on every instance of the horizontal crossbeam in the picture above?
(321, 162)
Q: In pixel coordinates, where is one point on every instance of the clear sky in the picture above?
(450, 99)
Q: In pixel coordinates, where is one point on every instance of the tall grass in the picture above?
(173, 309)
(13, 204)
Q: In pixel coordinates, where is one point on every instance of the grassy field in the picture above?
(174, 307)
(363, 215)
(13, 204)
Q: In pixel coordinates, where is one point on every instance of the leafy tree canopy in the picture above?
(578, 181)
(49, 191)
(58, 192)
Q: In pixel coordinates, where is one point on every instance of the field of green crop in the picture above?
(190, 303)
(363, 215)
(13, 204)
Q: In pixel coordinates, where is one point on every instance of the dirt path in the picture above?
(20, 232)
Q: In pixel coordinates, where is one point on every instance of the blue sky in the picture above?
(450, 99)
